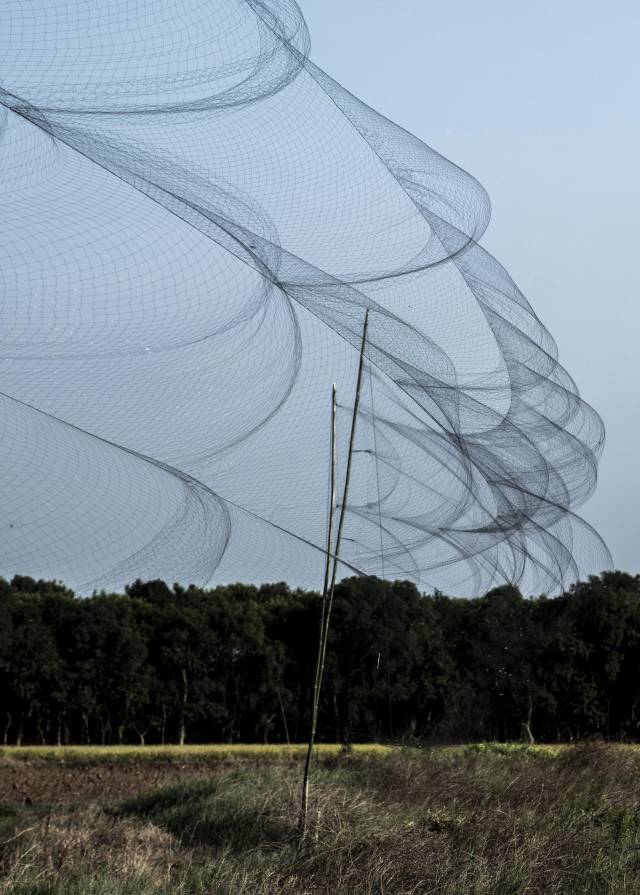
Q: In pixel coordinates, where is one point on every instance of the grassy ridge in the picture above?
(274, 750)
(258, 752)
(220, 752)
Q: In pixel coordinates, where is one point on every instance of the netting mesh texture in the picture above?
(195, 220)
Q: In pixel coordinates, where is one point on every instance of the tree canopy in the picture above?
(235, 663)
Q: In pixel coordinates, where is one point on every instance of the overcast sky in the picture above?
(539, 102)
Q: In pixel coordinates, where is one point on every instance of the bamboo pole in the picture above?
(325, 590)
(330, 583)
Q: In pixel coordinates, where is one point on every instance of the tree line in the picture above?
(235, 663)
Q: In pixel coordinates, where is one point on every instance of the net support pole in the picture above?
(331, 570)
(325, 592)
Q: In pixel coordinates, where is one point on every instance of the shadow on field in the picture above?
(230, 813)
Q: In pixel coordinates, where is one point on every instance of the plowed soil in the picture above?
(32, 782)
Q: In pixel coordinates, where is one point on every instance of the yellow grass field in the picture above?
(258, 751)
(220, 751)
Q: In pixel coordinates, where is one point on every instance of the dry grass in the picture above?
(475, 821)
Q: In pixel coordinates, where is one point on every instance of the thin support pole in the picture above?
(325, 590)
(330, 581)
(332, 490)
(382, 569)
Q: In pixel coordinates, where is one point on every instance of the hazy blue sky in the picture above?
(539, 101)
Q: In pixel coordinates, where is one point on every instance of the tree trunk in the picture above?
(163, 726)
(298, 712)
(526, 725)
(266, 727)
(182, 728)
(284, 718)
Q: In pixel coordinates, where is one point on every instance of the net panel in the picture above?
(196, 220)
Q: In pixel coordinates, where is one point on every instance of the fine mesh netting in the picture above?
(195, 220)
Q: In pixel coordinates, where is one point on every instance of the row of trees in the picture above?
(236, 663)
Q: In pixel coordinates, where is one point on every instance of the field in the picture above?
(478, 820)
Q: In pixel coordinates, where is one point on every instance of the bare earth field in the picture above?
(79, 774)
(479, 820)
(57, 784)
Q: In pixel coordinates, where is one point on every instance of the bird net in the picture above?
(196, 219)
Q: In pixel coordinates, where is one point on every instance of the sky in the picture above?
(539, 102)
